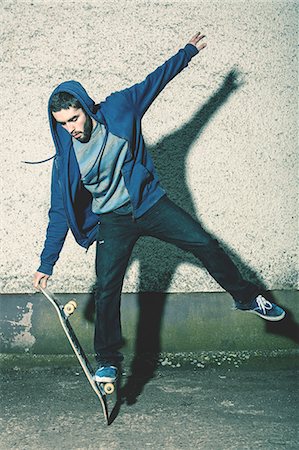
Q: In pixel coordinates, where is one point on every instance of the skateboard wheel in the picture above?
(109, 388)
(70, 307)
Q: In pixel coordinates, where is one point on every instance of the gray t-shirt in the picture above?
(100, 161)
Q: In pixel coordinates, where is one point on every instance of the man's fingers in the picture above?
(43, 282)
(196, 38)
(200, 37)
(36, 281)
(202, 46)
(40, 279)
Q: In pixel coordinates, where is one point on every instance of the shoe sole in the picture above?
(271, 319)
(104, 379)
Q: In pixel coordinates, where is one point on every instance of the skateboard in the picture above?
(64, 312)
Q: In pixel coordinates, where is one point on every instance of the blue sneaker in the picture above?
(263, 308)
(106, 374)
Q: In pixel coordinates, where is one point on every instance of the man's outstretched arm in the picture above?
(141, 95)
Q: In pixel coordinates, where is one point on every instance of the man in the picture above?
(105, 189)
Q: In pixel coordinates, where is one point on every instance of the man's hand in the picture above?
(195, 41)
(40, 279)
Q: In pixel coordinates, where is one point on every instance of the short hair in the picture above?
(64, 100)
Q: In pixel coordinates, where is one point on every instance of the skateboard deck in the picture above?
(64, 312)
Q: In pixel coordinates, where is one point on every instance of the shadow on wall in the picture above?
(175, 148)
(287, 327)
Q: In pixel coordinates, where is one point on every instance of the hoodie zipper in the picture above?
(62, 194)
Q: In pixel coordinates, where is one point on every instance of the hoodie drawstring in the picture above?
(39, 162)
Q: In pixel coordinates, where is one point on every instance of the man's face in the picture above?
(76, 122)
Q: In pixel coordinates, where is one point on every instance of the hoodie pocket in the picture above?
(140, 181)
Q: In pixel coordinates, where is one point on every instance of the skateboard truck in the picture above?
(69, 307)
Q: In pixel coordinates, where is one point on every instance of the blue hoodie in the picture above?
(121, 114)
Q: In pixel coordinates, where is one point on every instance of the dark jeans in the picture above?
(115, 241)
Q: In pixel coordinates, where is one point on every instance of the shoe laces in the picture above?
(263, 304)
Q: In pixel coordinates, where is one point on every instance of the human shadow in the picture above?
(287, 327)
(175, 148)
(117, 398)
(147, 344)
(153, 291)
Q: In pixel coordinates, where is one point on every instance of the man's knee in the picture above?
(205, 240)
(204, 246)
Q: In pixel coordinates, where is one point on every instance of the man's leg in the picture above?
(170, 223)
(116, 237)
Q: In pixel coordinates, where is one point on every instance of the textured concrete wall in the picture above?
(152, 322)
(224, 145)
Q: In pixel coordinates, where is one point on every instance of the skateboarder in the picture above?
(105, 189)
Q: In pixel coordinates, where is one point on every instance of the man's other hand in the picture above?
(40, 279)
(196, 41)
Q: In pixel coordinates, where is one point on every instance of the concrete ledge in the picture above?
(152, 322)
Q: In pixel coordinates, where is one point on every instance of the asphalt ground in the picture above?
(207, 401)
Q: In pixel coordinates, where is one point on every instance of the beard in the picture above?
(86, 131)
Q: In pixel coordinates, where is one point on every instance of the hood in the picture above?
(77, 90)
(60, 136)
